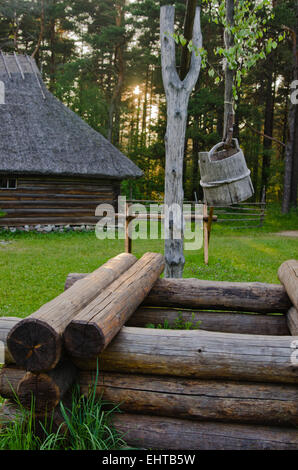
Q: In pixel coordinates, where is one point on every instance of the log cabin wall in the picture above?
(58, 200)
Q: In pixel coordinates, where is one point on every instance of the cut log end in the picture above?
(84, 340)
(40, 391)
(34, 345)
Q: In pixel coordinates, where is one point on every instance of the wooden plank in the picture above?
(270, 404)
(95, 326)
(152, 432)
(36, 342)
(198, 354)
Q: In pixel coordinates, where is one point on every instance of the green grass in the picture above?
(33, 267)
(86, 425)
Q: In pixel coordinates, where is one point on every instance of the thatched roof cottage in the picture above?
(54, 168)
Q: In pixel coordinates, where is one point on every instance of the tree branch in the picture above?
(168, 57)
(195, 65)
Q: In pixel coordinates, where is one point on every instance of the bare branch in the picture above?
(195, 65)
(168, 57)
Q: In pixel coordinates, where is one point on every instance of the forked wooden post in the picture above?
(128, 219)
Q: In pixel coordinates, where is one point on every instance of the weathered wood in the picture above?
(292, 317)
(269, 404)
(288, 276)
(6, 325)
(35, 199)
(47, 388)
(199, 354)
(36, 342)
(177, 96)
(10, 377)
(225, 322)
(152, 432)
(218, 295)
(96, 325)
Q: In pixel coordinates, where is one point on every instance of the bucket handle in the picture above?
(222, 143)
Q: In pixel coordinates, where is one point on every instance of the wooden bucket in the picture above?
(225, 178)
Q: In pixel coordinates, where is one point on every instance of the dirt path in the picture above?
(288, 233)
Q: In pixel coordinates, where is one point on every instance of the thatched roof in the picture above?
(40, 135)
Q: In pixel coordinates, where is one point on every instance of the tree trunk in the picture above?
(268, 130)
(177, 94)
(229, 73)
(291, 152)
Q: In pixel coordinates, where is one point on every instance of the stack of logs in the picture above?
(231, 383)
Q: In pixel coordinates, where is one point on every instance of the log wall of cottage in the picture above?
(55, 200)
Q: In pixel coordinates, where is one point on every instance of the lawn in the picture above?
(34, 266)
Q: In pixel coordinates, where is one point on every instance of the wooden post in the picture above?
(128, 240)
(206, 234)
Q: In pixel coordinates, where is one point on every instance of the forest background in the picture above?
(102, 59)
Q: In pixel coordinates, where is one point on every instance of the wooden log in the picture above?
(10, 376)
(212, 295)
(270, 404)
(47, 388)
(152, 432)
(96, 325)
(226, 322)
(198, 354)
(36, 342)
(292, 317)
(219, 295)
(6, 325)
(288, 276)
